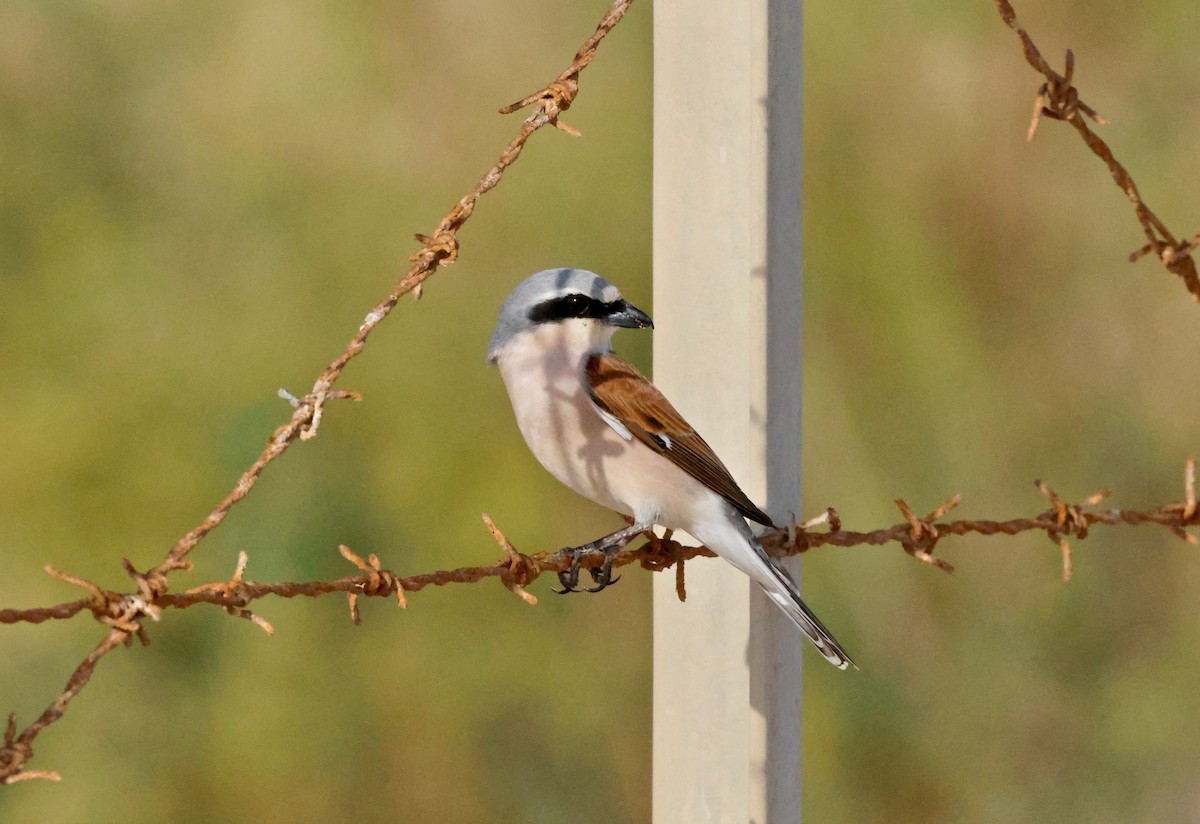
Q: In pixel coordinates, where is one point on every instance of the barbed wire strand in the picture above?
(917, 536)
(125, 612)
(1058, 99)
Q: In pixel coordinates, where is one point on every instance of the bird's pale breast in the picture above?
(544, 377)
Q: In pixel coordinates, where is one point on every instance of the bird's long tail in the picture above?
(734, 542)
(781, 589)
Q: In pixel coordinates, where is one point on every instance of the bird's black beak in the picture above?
(629, 316)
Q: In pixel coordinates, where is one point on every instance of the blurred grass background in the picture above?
(198, 202)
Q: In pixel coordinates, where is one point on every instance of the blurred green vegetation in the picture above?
(198, 202)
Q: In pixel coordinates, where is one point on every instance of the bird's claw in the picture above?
(569, 577)
(603, 577)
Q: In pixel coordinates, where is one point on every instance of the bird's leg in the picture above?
(610, 545)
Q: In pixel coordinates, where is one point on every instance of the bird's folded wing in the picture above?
(623, 393)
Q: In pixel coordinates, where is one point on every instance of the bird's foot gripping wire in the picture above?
(602, 576)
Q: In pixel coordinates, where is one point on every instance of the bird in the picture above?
(603, 429)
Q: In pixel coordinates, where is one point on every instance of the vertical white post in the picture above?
(727, 186)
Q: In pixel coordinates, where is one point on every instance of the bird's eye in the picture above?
(576, 305)
(564, 307)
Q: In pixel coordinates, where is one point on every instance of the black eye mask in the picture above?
(574, 306)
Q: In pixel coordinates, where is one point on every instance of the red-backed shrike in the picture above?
(599, 426)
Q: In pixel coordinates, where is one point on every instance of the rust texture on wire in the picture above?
(1058, 99)
(125, 612)
(917, 536)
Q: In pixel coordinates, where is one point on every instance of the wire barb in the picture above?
(517, 570)
(1189, 490)
(379, 582)
(553, 100)
(923, 532)
(239, 594)
(1059, 99)
(1069, 519)
(13, 755)
(1187, 510)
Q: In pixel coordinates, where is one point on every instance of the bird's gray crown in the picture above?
(518, 312)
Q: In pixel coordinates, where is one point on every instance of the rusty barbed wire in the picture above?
(1058, 99)
(516, 570)
(124, 612)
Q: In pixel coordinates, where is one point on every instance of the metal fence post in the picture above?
(727, 251)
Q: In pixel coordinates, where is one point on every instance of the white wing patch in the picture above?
(614, 422)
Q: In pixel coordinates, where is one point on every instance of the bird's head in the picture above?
(580, 309)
